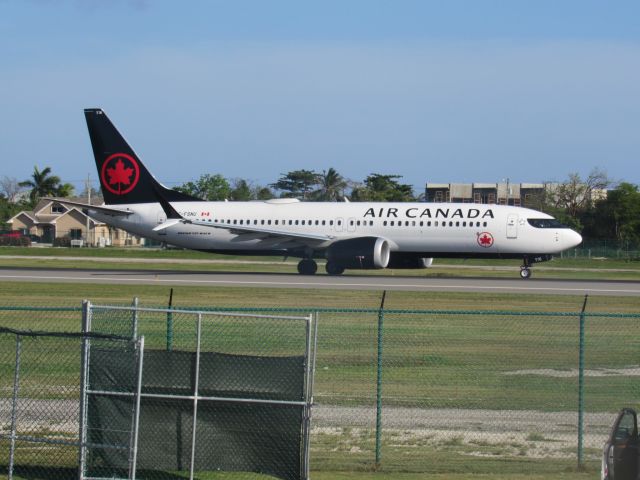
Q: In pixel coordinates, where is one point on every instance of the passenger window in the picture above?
(330, 222)
(296, 222)
(484, 224)
(384, 223)
(323, 222)
(269, 222)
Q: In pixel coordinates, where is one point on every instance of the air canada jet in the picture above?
(349, 235)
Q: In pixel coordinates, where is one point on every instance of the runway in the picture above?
(353, 282)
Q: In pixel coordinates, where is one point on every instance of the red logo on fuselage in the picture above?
(120, 173)
(485, 239)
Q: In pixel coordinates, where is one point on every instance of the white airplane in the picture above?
(358, 235)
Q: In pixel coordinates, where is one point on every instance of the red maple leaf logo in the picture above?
(485, 239)
(120, 174)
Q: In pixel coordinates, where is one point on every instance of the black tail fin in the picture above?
(123, 177)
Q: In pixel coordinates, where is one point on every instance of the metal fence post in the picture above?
(196, 395)
(170, 323)
(134, 319)
(84, 374)
(379, 381)
(14, 406)
(133, 464)
(581, 388)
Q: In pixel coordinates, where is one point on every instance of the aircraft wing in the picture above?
(99, 208)
(267, 236)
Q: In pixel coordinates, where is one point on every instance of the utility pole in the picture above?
(88, 186)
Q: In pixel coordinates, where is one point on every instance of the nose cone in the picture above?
(573, 239)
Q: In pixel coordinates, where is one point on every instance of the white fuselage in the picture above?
(429, 228)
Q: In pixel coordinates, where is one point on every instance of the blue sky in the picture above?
(456, 91)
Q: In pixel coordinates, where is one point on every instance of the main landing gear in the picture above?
(333, 268)
(307, 266)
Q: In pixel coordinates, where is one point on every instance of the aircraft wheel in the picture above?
(334, 269)
(525, 273)
(307, 267)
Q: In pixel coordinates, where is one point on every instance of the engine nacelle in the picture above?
(401, 261)
(360, 253)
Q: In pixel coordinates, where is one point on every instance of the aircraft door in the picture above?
(339, 224)
(351, 225)
(512, 225)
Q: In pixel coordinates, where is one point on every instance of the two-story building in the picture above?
(50, 220)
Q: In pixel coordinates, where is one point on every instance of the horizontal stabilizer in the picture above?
(98, 208)
(169, 223)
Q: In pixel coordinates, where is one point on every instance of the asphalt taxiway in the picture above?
(354, 282)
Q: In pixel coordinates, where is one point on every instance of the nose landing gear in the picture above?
(525, 269)
(525, 272)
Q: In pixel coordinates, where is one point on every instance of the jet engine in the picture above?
(360, 253)
(402, 261)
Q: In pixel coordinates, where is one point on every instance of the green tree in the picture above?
(241, 190)
(43, 184)
(618, 216)
(208, 187)
(263, 193)
(296, 184)
(574, 197)
(383, 188)
(332, 186)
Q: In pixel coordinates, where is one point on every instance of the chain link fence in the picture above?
(39, 402)
(421, 391)
(615, 249)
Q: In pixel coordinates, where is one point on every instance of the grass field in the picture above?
(436, 361)
(185, 260)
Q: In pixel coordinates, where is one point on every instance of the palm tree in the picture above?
(332, 185)
(42, 184)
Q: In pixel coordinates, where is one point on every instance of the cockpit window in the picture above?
(545, 223)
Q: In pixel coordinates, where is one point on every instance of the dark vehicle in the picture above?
(620, 459)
